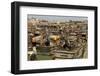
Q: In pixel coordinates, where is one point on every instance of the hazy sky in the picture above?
(54, 18)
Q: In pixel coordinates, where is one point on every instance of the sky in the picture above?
(54, 18)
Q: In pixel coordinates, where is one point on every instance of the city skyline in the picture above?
(55, 18)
